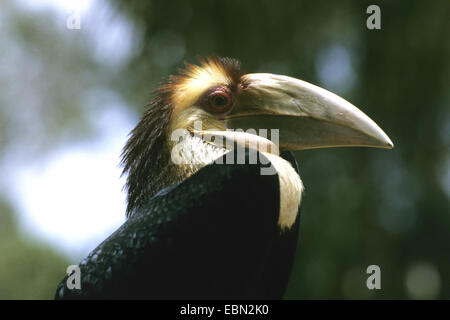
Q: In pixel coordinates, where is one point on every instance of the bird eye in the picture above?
(219, 101)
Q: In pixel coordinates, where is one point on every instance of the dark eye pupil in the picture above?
(220, 100)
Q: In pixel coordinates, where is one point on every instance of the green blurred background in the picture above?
(68, 98)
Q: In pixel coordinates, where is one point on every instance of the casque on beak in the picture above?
(307, 116)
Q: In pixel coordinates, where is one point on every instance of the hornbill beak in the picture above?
(307, 116)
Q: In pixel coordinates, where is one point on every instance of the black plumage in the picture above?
(213, 236)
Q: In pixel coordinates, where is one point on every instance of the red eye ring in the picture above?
(220, 101)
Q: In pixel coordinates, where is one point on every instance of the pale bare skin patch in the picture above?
(291, 189)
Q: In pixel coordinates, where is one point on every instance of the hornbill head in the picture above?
(216, 96)
(203, 222)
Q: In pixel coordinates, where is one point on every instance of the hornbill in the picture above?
(213, 213)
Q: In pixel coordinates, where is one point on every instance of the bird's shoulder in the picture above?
(218, 204)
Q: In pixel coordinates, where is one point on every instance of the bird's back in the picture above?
(213, 236)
